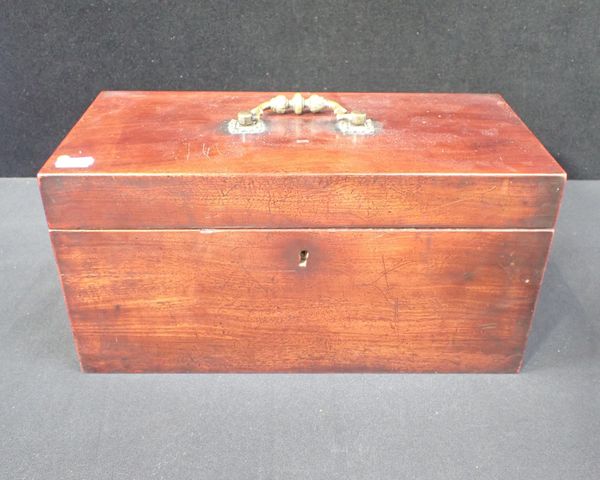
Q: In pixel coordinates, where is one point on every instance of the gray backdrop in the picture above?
(542, 55)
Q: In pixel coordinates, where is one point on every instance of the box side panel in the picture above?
(300, 201)
(252, 301)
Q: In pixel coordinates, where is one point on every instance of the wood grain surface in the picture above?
(238, 300)
(185, 248)
(184, 133)
(165, 160)
(129, 202)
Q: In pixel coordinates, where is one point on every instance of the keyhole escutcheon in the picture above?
(303, 258)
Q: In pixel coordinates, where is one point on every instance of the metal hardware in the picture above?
(350, 123)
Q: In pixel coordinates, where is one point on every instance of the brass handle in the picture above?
(250, 121)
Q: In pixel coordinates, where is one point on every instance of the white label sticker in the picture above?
(66, 161)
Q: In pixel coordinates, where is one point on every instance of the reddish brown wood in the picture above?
(301, 201)
(164, 160)
(237, 300)
(179, 247)
(184, 133)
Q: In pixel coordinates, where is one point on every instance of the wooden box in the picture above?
(191, 237)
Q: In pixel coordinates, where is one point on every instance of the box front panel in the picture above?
(335, 300)
(315, 201)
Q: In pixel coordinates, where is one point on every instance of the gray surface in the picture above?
(56, 422)
(542, 55)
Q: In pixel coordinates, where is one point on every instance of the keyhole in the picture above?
(303, 258)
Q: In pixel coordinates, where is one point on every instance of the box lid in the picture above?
(170, 160)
